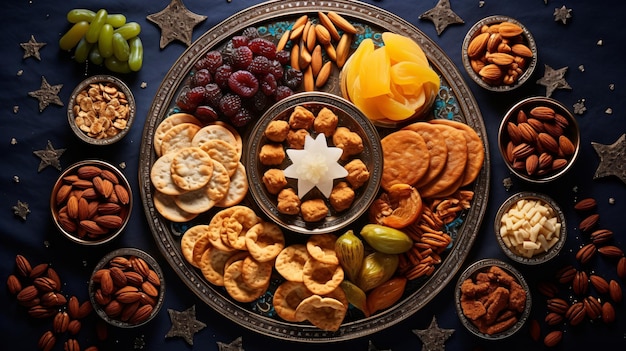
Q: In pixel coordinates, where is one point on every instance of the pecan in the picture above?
(601, 236)
(47, 341)
(45, 284)
(599, 283)
(580, 283)
(548, 289)
(566, 274)
(608, 313)
(586, 253)
(38, 270)
(553, 338)
(27, 294)
(120, 262)
(611, 251)
(39, 311)
(589, 223)
(534, 330)
(615, 291)
(52, 274)
(23, 266)
(74, 327)
(621, 267)
(576, 313)
(554, 318)
(60, 322)
(73, 306)
(557, 305)
(593, 309)
(13, 284)
(71, 345)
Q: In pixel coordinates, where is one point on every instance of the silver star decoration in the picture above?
(372, 347)
(434, 337)
(235, 345)
(47, 94)
(553, 79)
(562, 14)
(612, 159)
(49, 157)
(176, 23)
(442, 16)
(31, 48)
(184, 324)
(21, 210)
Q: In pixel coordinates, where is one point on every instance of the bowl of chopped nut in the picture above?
(313, 162)
(493, 300)
(499, 53)
(101, 110)
(530, 228)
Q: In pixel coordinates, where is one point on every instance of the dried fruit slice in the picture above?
(401, 48)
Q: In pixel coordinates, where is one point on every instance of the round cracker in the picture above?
(218, 185)
(475, 149)
(238, 140)
(326, 313)
(321, 278)
(166, 206)
(191, 168)
(265, 241)
(405, 158)
(215, 132)
(256, 274)
(167, 124)
(455, 164)
(322, 248)
(188, 240)
(224, 153)
(286, 299)
(437, 149)
(290, 262)
(237, 287)
(178, 137)
(239, 223)
(195, 201)
(161, 176)
(212, 264)
(238, 188)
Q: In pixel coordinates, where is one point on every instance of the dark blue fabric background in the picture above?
(560, 45)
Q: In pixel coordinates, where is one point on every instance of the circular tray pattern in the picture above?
(454, 101)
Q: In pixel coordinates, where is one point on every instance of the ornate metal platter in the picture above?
(454, 101)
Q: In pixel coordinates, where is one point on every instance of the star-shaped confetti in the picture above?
(372, 347)
(553, 79)
(579, 107)
(49, 157)
(184, 324)
(612, 159)
(31, 48)
(562, 14)
(442, 16)
(47, 94)
(236, 345)
(434, 337)
(21, 210)
(176, 23)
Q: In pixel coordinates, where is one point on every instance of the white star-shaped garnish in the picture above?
(315, 166)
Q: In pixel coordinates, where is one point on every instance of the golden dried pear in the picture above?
(350, 251)
(386, 239)
(355, 296)
(377, 268)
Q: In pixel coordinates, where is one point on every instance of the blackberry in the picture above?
(259, 102)
(230, 104)
(206, 114)
(282, 91)
(201, 77)
(239, 40)
(292, 78)
(242, 57)
(268, 84)
(212, 94)
(283, 56)
(250, 33)
(260, 65)
(221, 76)
(241, 118)
(263, 47)
(243, 83)
(276, 69)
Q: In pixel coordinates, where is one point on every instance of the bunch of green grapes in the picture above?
(104, 38)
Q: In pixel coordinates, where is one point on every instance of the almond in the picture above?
(84, 309)
(545, 161)
(92, 227)
(141, 315)
(521, 50)
(322, 34)
(149, 289)
(521, 117)
(341, 22)
(109, 221)
(477, 65)
(491, 72)
(140, 266)
(106, 282)
(153, 278)
(599, 283)
(500, 58)
(553, 129)
(308, 80)
(548, 142)
(63, 193)
(128, 297)
(558, 163)
(311, 37)
(13, 284)
(522, 150)
(553, 338)
(343, 50)
(532, 164)
(45, 284)
(118, 277)
(621, 267)
(109, 208)
(110, 176)
(509, 29)
(120, 262)
(304, 57)
(316, 60)
(51, 299)
(72, 307)
(331, 52)
(296, 31)
(566, 147)
(83, 209)
(328, 24)
(514, 132)
(129, 310)
(113, 308)
(72, 207)
(88, 172)
(615, 291)
(476, 47)
(586, 253)
(295, 56)
(543, 113)
(134, 278)
(536, 124)
(323, 74)
(494, 42)
(608, 313)
(585, 204)
(561, 120)
(527, 132)
(38, 270)
(589, 222)
(41, 312)
(82, 184)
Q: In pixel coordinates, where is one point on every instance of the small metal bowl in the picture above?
(68, 223)
(350, 117)
(527, 65)
(116, 94)
(484, 266)
(546, 171)
(543, 255)
(123, 259)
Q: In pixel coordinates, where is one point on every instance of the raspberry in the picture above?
(221, 76)
(260, 65)
(282, 91)
(259, 102)
(201, 77)
(239, 40)
(276, 69)
(243, 83)
(268, 84)
(292, 78)
(206, 113)
(251, 33)
(191, 98)
(283, 56)
(230, 104)
(212, 94)
(211, 61)
(242, 57)
(263, 47)
(241, 118)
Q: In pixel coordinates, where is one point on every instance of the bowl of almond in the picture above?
(539, 139)
(91, 202)
(127, 288)
(530, 228)
(101, 110)
(499, 53)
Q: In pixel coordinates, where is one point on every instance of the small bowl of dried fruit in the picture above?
(127, 288)
(539, 139)
(530, 228)
(493, 300)
(499, 53)
(313, 162)
(91, 202)
(101, 110)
